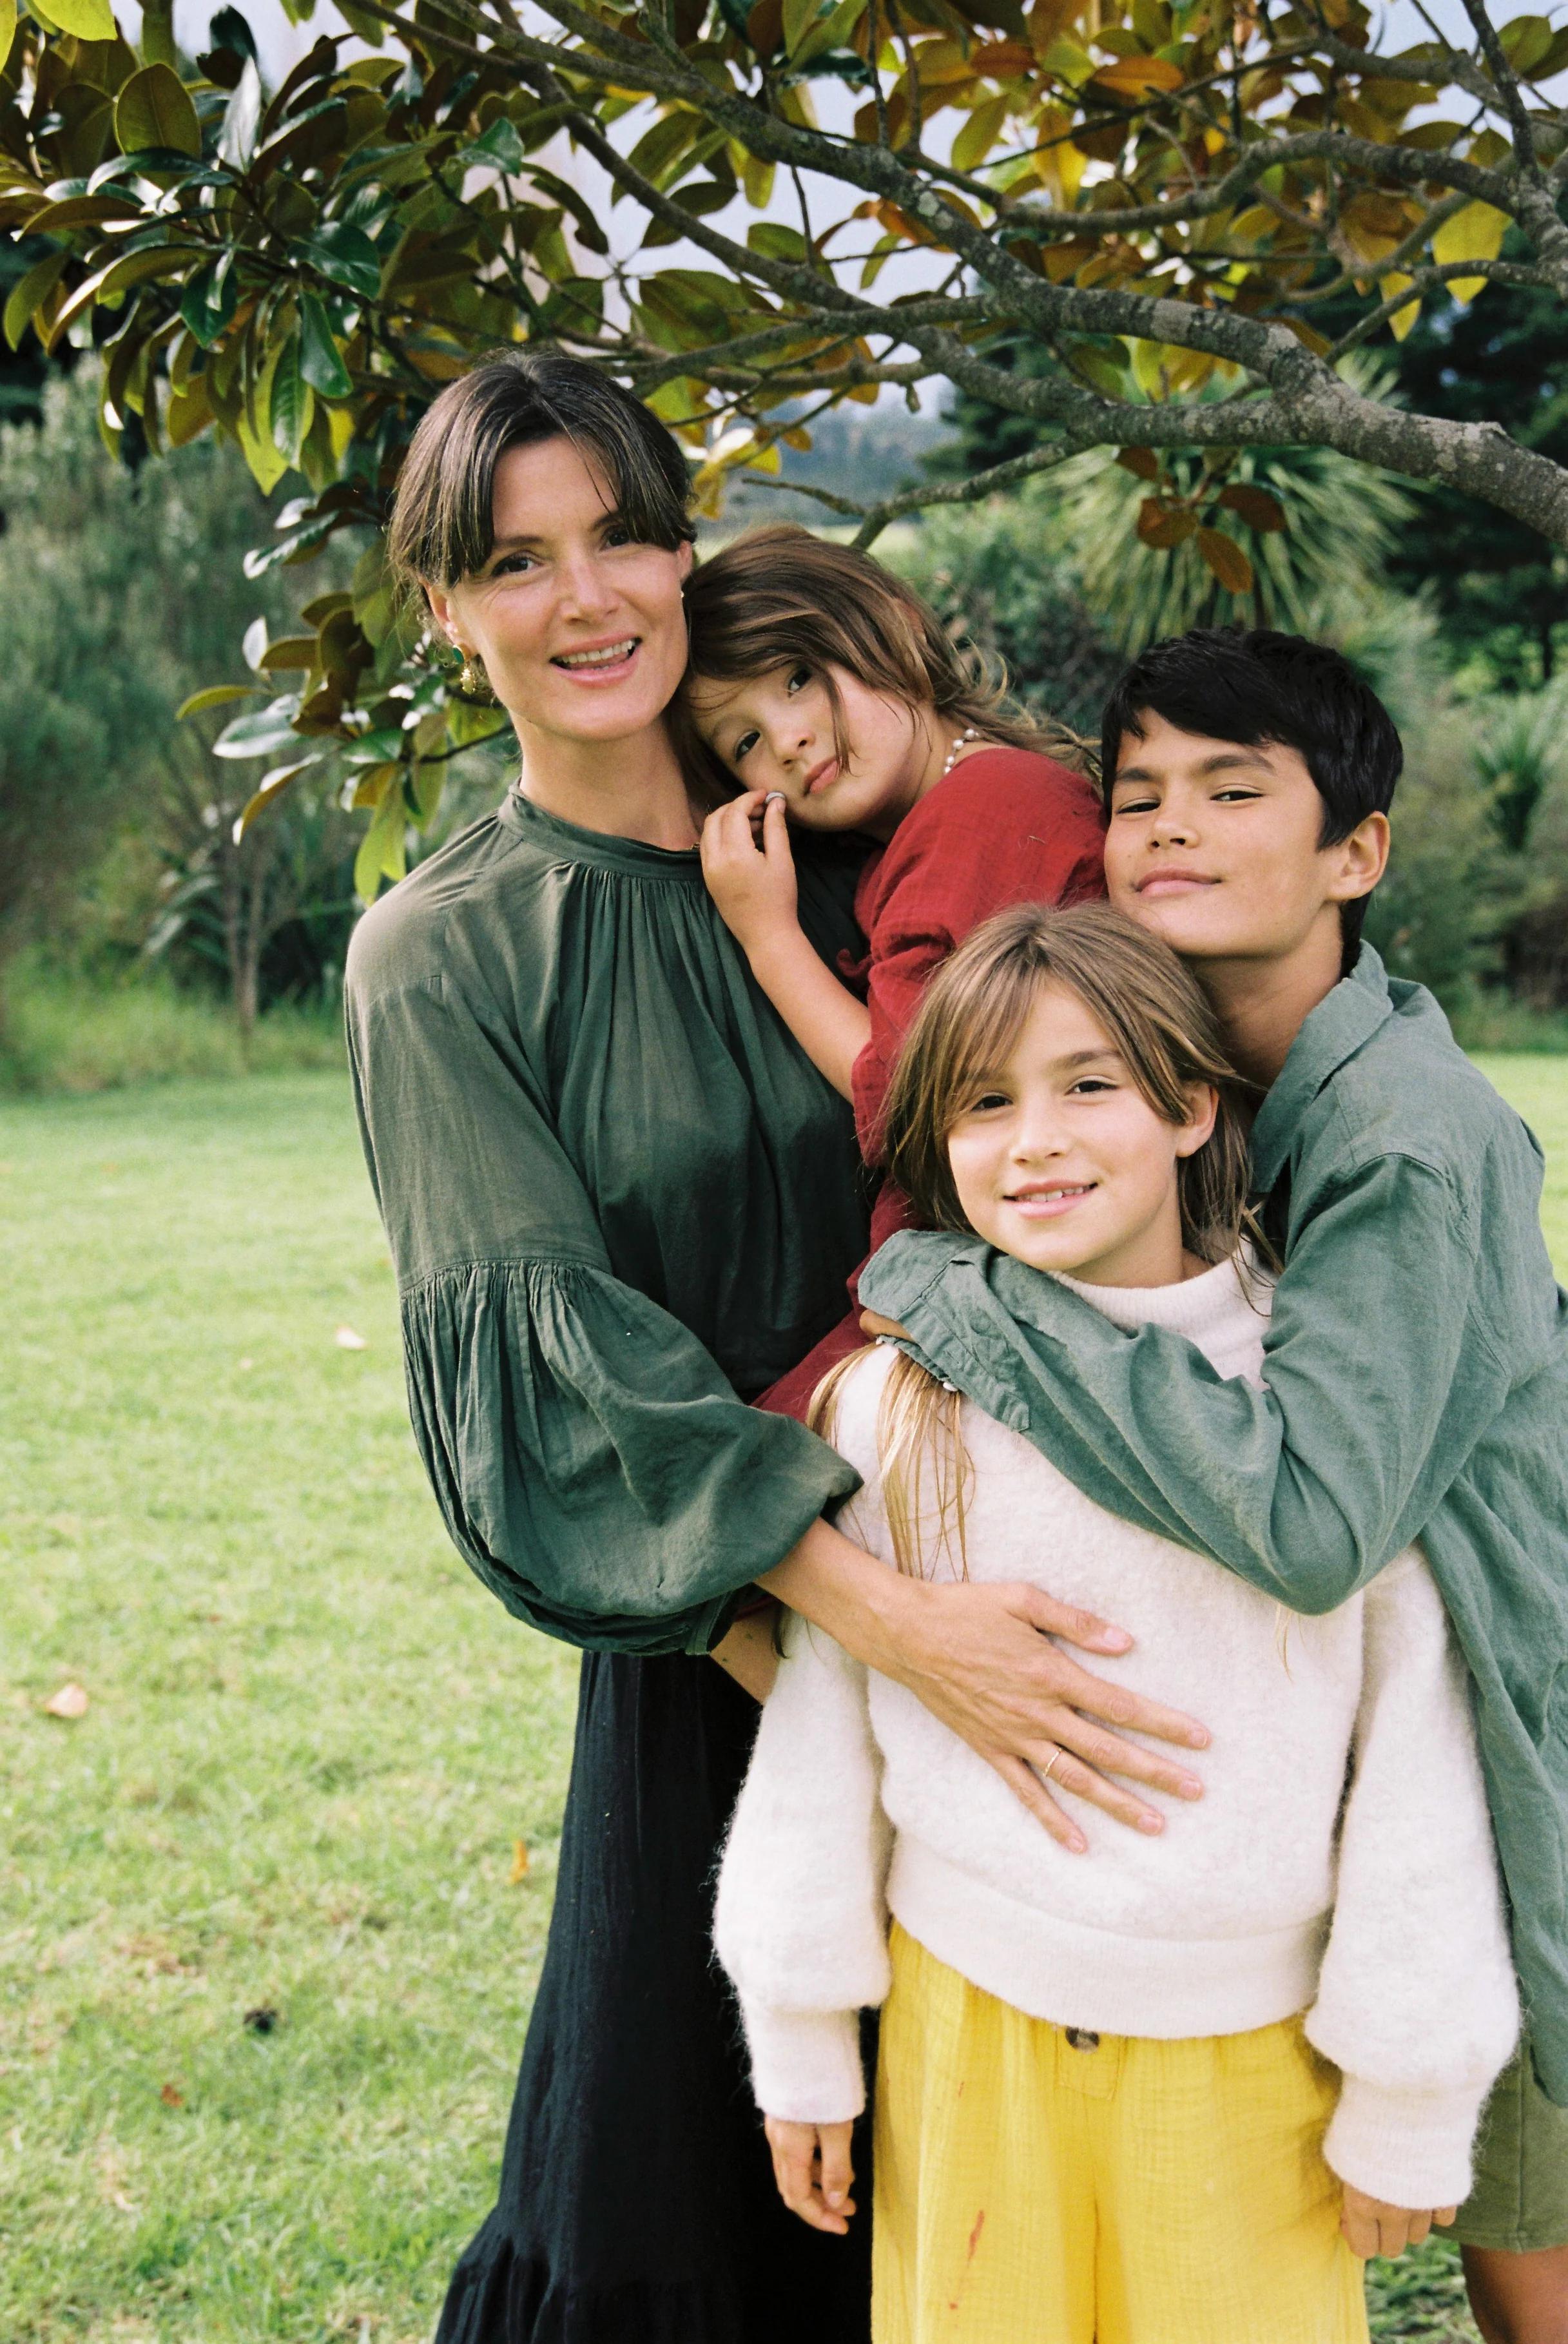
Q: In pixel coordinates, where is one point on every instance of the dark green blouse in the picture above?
(620, 1200)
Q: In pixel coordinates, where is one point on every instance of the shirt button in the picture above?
(1083, 2038)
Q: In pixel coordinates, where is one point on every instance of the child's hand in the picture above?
(1373, 2226)
(811, 2167)
(749, 868)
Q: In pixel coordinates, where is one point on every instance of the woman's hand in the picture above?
(750, 869)
(811, 2167)
(982, 1659)
(1371, 2225)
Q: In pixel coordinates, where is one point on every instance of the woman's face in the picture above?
(776, 732)
(1059, 1159)
(580, 628)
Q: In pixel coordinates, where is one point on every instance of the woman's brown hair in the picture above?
(443, 519)
(780, 596)
(1166, 1034)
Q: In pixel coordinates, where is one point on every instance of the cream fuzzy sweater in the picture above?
(1340, 1861)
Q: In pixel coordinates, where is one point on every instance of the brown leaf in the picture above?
(1225, 560)
(1257, 508)
(519, 1863)
(1163, 526)
(1141, 460)
(172, 2096)
(71, 1701)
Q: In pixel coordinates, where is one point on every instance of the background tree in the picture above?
(1165, 206)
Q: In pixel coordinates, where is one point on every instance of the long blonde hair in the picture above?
(1166, 1037)
(779, 596)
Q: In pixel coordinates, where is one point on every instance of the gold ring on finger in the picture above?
(1045, 1772)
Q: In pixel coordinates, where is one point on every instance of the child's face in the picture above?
(1059, 1159)
(776, 732)
(1215, 846)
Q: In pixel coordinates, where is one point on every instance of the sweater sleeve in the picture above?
(592, 1463)
(800, 1922)
(1417, 2004)
(801, 1919)
(1007, 826)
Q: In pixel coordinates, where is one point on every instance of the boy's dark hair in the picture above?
(1252, 684)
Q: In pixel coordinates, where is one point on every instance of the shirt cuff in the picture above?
(1409, 2149)
(805, 2064)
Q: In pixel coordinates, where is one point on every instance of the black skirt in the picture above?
(637, 2202)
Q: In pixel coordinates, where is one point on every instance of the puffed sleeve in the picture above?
(591, 1462)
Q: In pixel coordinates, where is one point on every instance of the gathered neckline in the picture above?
(605, 849)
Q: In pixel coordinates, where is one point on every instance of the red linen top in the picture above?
(1005, 826)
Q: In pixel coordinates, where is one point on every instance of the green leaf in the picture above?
(830, 32)
(213, 695)
(980, 134)
(8, 22)
(210, 300)
(154, 110)
(90, 20)
(262, 733)
(292, 404)
(344, 256)
(35, 287)
(500, 148)
(776, 241)
(242, 117)
(381, 850)
(320, 360)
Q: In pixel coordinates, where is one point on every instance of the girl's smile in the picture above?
(1060, 1160)
(861, 766)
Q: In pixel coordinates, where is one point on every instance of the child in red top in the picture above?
(832, 694)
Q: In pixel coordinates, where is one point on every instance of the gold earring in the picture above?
(472, 679)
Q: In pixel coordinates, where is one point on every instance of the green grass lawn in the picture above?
(311, 1746)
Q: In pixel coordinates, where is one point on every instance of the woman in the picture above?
(621, 1202)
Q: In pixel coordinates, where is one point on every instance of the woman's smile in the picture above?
(602, 662)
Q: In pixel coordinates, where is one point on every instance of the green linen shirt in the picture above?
(620, 1200)
(1416, 1388)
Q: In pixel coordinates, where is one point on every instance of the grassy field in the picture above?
(264, 1961)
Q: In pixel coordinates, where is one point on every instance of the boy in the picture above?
(1417, 1362)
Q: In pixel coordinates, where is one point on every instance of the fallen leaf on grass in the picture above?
(172, 2096)
(71, 1701)
(347, 1340)
(519, 1863)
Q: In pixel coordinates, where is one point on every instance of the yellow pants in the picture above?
(1038, 2186)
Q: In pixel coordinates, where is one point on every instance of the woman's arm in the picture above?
(751, 880)
(982, 1658)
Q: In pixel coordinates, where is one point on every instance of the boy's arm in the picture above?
(1381, 1380)
(751, 880)
(799, 1922)
(1417, 2004)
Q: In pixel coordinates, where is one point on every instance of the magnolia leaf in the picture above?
(344, 256)
(90, 20)
(1163, 526)
(271, 786)
(979, 135)
(71, 1701)
(1256, 507)
(381, 850)
(1402, 320)
(210, 300)
(1473, 234)
(8, 23)
(1225, 560)
(241, 119)
(260, 734)
(35, 287)
(154, 110)
(267, 460)
(212, 695)
(292, 403)
(254, 647)
(1136, 77)
(830, 32)
(189, 408)
(289, 651)
(1141, 460)
(519, 1863)
(500, 148)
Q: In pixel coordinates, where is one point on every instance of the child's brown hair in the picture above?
(1166, 1034)
(779, 596)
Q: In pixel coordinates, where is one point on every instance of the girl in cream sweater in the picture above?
(1132, 2089)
